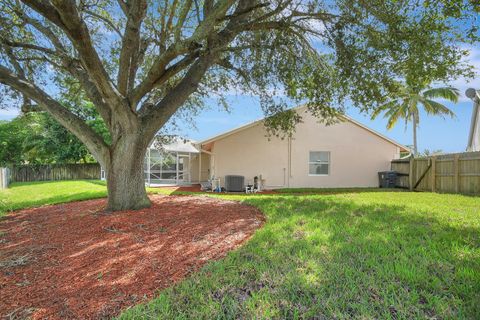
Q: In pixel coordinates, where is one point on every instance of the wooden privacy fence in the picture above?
(27, 173)
(450, 173)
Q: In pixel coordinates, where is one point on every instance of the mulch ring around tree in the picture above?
(73, 261)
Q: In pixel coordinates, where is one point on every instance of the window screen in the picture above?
(319, 163)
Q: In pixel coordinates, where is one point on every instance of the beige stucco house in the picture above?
(346, 154)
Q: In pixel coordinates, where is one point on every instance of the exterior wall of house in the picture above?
(356, 155)
(249, 153)
(195, 166)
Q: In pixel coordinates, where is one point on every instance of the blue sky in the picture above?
(449, 135)
(434, 133)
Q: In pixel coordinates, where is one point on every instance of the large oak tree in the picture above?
(139, 62)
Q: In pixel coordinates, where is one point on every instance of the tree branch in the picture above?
(180, 48)
(18, 68)
(181, 20)
(15, 44)
(45, 30)
(156, 116)
(68, 63)
(68, 19)
(130, 44)
(106, 21)
(69, 120)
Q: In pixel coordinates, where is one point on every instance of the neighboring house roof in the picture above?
(251, 124)
(178, 144)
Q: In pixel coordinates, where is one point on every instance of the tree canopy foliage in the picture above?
(37, 138)
(405, 105)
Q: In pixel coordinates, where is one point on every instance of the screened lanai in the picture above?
(171, 165)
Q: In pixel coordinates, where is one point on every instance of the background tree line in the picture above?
(37, 138)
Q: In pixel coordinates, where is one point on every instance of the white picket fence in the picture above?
(4, 178)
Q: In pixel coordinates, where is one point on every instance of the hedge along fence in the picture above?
(26, 173)
(450, 173)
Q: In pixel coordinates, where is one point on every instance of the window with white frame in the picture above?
(319, 163)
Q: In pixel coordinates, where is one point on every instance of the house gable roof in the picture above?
(178, 144)
(298, 108)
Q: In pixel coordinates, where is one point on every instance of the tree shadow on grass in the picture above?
(321, 257)
(328, 191)
(289, 192)
(97, 182)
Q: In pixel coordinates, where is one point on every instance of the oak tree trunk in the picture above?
(125, 175)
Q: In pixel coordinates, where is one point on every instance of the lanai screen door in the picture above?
(167, 167)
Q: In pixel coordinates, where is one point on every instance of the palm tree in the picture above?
(405, 106)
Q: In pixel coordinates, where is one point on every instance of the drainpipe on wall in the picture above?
(289, 161)
(286, 171)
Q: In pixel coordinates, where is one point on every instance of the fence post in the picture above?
(411, 180)
(456, 175)
(433, 172)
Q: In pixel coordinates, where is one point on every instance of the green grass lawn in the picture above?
(284, 191)
(32, 194)
(334, 190)
(358, 254)
(385, 255)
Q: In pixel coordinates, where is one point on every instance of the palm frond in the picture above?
(392, 120)
(384, 107)
(447, 93)
(436, 108)
(396, 113)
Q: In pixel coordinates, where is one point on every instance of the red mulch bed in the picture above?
(73, 261)
(192, 188)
